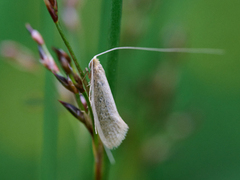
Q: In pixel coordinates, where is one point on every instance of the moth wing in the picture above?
(117, 130)
(112, 129)
(98, 128)
(96, 121)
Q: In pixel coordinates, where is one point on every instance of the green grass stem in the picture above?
(114, 38)
(69, 49)
(104, 26)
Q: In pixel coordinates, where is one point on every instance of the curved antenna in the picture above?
(181, 50)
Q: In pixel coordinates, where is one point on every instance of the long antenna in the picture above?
(181, 50)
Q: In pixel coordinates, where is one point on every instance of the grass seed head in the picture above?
(64, 60)
(72, 86)
(74, 111)
(47, 60)
(52, 9)
(79, 84)
(63, 81)
(36, 36)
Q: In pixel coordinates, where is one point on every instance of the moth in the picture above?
(108, 123)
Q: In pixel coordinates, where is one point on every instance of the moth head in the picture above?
(93, 61)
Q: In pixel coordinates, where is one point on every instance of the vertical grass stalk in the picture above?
(104, 26)
(114, 38)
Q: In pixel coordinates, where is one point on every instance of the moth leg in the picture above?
(86, 73)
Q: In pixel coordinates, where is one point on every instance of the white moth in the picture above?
(108, 123)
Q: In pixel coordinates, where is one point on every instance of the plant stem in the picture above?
(98, 152)
(104, 26)
(69, 49)
(90, 109)
(85, 84)
(114, 38)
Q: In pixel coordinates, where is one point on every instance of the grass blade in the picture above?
(114, 38)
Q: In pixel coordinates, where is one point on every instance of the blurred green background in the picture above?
(183, 110)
